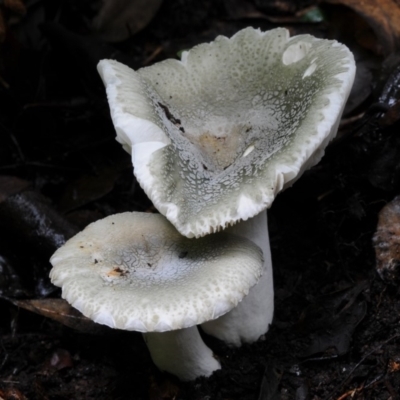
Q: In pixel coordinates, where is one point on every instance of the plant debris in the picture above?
(387, 242)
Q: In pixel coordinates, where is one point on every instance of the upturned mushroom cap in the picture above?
(134, 271)
(214, 137)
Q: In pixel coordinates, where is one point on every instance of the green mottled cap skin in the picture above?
(214, 137)
(134, 271)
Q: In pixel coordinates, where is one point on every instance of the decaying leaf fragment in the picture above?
(12, 394)
(10, 185)
(60, 311)
(383, 17)
(11, 8)
(387, 242)
(120, 19)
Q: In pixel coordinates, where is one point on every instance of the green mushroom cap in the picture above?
(215, 136)
(134, 271)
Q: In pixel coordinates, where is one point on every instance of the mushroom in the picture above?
(134, 271)
(215, 136)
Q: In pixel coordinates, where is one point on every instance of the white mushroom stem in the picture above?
(182, 353)
(247, 322)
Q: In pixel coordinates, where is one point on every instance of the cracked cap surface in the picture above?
(214, 137)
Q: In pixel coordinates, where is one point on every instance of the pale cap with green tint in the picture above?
(215, 136)
(134, 271)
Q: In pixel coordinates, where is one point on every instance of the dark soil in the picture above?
(336, 330)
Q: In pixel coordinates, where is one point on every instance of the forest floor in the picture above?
(336, 328)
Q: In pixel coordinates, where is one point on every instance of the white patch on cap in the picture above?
(248, 151)
(310, 70)
(295, 52)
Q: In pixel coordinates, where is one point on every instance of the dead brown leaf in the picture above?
(394, 366)
(10, 185)
(119, 19)
(16, 6)
(88, 188)
(383, 16)
(238, 9)
(9, 8)
(11, 394)
(387, 241)
(60, 311)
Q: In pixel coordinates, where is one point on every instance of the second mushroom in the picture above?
(134, 271)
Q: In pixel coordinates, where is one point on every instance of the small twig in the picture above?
(5, 357)
(351, 392)
(374, 381)
(351, 120)
(153, 55)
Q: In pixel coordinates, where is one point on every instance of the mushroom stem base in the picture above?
(182, 353)
(247, 322)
